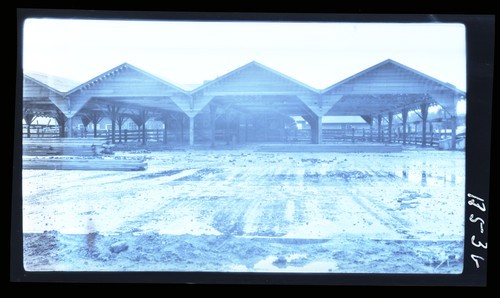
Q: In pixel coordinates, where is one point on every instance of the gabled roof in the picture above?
(397, 64)
(253, 64)
(53, 83)
(116, 70)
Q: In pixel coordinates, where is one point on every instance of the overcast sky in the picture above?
(317, 54)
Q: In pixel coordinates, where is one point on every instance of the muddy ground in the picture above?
(247, 211)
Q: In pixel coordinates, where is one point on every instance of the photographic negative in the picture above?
(243, 146)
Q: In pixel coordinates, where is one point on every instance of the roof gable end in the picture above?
(253, 77)
(393, 77)
(116, 71)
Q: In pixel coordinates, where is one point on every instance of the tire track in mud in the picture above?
(193, 195)
(61, 184)
(363, 182)
(103, 203)
(282, 206)
(201, 199)
(116, 185)
(59, 181)
(331, 185)
(365, 198)
(256, 205)
(256, 190)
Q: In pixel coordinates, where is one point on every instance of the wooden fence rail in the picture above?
(433, 139)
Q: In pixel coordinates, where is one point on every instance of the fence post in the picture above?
(125, 136)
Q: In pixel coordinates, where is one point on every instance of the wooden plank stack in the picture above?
(76, 154)
(63, 146)
(84, 163)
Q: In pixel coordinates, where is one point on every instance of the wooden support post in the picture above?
(415, 134)
(404, 115)
(379, 126)
(320, 130)
(369, 120)
(316, 127)
(70, 124)
(371, 132)
(424, 109)
(165, 130)
(144, 134)
(191, 130)
(390, 127)
(453, 120)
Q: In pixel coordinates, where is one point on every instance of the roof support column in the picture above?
(191, 106)
(191, 116)
(404, 115)
(70, 127)
(316, 127)
(61, 121)
(370, 118)
(379, 127)
(191, 130)
(453, 122)
(165, 116)
(391, 114)
(113, 112)
(424, 109)
(319, 106)
(318, 137)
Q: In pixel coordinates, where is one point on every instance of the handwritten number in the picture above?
(479, 243)
(481, 207)
(474, 220)
(475, 259)
(475, 197)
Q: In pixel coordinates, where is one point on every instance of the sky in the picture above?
(187, 53)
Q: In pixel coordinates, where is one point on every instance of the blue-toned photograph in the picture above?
(244, 146)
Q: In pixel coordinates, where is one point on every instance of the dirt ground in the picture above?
(248, 211)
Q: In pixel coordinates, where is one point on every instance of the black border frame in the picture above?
(480, 35)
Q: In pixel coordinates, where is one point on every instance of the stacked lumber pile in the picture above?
(84, 163)
(63, 146)
(76, 154)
